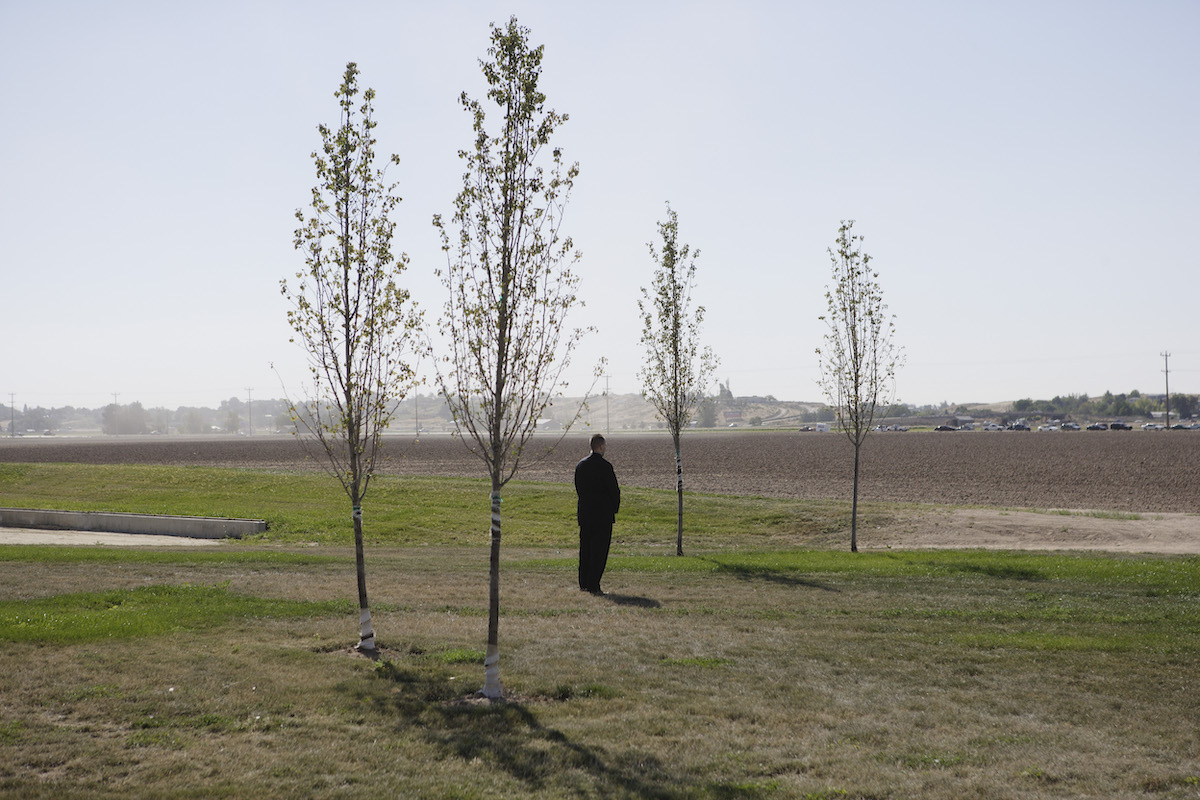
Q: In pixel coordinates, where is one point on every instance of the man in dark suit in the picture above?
(599, 501)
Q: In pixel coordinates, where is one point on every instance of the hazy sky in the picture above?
(1025, 174)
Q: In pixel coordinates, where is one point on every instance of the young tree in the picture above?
(509, 280)
(859, 360)
(349, 314)
(676, 370)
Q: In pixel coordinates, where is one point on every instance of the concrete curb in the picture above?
(108, 522)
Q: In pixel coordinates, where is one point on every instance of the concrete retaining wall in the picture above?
(108, 522)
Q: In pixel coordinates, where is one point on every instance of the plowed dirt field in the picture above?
(1117, 471)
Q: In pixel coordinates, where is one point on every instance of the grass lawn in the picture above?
(311, 508)
(758, 666)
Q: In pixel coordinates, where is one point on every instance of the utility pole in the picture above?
(607, 422)
(416, 403)
(1167, 377)
(249, 411)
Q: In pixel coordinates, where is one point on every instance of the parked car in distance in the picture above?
(945, 428)
(1120, 426)
(1097, 426)
(1070, 426)
(1018, 426)
(1153, 426)
(991, 426)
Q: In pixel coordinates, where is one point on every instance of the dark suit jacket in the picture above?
(599, 494)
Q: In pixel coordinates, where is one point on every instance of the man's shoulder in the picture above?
(593, 461)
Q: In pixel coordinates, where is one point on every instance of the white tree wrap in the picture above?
(366, 639)
(491, 673)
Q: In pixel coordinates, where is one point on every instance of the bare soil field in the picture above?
(1115, 471)
(1145, 485)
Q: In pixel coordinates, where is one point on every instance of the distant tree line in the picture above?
(1133, 404)
(123, 419)
(271, 415)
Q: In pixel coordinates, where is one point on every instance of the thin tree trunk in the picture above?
(679, 493)
(491, 662)
(854, 506)
(366, 638)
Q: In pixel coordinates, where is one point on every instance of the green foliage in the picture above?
(509, 278)
(354, 321)
(677, 370)
(508, 271)
(860, 358)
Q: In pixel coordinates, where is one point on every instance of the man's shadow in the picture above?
(631, 600)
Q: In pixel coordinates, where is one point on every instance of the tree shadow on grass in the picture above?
(508, 736)
(1015, 572)
(753, 573)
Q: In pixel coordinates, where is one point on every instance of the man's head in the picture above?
(597, 443)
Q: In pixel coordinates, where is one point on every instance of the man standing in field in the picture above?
(599, 501)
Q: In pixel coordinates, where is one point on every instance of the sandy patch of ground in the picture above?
(31, 536)
(998, 529)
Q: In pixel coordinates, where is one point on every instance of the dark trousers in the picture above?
(594, 541)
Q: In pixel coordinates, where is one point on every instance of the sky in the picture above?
(1025, 177)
